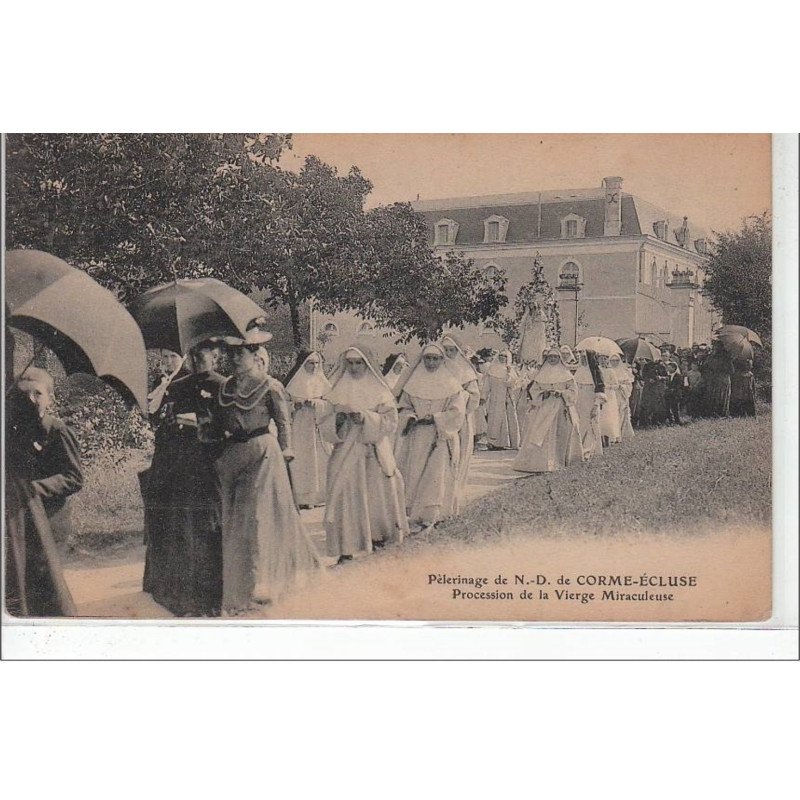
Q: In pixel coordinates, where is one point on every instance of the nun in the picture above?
(458, 363)
(433, 409)
(365, 502)
(394, 366)
(499, 393)
(610, 412)
(624, 391)
(527, 372)
(591, 398)
(306, 385)
(552, 437)
(568, 357)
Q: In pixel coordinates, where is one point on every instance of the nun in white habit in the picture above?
(591, 398)
(499, 393)
(393, 368)
(552, 437)
(610, 417)
(461, 367)
(365, 504)
(306, 385)
(433, 408)
(624, 390)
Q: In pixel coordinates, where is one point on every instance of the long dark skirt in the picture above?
(653, 407)
(743, 395)
(635, 401)
(182, 519)
(718, 395)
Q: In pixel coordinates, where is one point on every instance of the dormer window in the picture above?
(495, 229)
(446, 231)
(701, 245)
(573, 227)
(661, 229)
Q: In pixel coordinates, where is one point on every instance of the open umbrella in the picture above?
(738, 340)
(637, 347)
(180, 314)
(601, 345)
(81, 322)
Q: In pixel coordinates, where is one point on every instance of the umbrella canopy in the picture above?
(738, 340)
(81, 322)
(636, 347)
(732, 330)
(601, 345)
(180, 314)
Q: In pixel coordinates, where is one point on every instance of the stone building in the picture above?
(620, 265)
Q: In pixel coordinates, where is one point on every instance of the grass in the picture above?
(709, 473)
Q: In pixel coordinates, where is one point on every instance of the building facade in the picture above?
(620, 265)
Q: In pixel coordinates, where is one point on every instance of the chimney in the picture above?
(612, 225)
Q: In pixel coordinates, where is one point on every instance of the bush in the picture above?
(98, 416)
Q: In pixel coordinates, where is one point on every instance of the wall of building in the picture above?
(623, 293)
(666, 313)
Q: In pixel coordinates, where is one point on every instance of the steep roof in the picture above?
(649, 214)
(523, 209)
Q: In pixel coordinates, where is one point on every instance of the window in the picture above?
(495, 229)
(330, 329)
(365, 329)
(573, 227)
(491, 272)
(445, 232)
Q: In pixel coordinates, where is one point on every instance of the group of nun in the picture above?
(555, 413)
(385, 449)
(559, 412)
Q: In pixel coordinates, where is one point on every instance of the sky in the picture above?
(714, 179)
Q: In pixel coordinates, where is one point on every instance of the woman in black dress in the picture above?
(183, 561)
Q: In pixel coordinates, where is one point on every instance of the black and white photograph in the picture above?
(488, 377)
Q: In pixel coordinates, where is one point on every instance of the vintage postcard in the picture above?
(448, 377)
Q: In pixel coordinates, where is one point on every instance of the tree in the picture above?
(410, 288)
(133, 210)
(297, 236)
(136, 211)
(739, 275)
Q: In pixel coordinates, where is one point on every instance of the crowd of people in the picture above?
(384, 448)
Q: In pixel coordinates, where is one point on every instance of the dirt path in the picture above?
(109, 584)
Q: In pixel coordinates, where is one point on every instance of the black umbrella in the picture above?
(637, 347)
(181, 314)
(81, 322)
